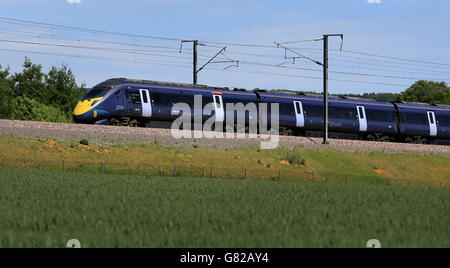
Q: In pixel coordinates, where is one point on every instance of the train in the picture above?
(143, 103)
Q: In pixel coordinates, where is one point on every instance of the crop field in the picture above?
(46, 209)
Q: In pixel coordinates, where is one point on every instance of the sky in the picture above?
(409, 29)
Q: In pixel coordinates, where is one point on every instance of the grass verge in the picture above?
(293, 164)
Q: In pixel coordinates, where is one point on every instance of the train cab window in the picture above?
(96, 92)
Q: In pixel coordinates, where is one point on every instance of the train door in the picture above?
(433, 124)
(121, 103)
(134, 103)
(362, 118)
(300, 116)
(146, 103)
(218, 106)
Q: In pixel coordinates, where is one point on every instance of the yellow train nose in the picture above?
(85, 106)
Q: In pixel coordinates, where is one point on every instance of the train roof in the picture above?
(299, 95)
(424, 104)
(119, 81)
(421, 106)
(331, 98)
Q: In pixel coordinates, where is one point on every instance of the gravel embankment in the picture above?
(108, 135)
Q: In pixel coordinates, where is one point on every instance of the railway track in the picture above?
(105, 135)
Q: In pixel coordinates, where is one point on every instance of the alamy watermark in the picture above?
(238, 120)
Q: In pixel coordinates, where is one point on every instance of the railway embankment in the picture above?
(110, 135)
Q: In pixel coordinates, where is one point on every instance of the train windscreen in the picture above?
(96, 92)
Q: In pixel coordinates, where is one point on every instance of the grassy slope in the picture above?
(422, 169)
(43, 209)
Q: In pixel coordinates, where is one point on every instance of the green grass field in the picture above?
(45, 209)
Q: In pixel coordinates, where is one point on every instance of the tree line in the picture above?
(38, 96)
(421, 91)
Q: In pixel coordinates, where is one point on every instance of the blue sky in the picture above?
(409, 29)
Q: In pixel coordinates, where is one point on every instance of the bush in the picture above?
(84, 142)
(295, 158)
(25, 108)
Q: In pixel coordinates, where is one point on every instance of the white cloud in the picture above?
(74, 1)
(374, 1)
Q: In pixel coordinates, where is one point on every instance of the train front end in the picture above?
(92, 107)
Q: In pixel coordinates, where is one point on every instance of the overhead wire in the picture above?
(48, 25)
(214, 44)
(88, 30)
(242, 62)
(173, 64)
(96, 48)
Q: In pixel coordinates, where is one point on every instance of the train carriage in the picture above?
(422, 121)
(149, 103)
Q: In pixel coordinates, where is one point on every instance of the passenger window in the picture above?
(361, 112)
(218, 102)
(144, 96)
(431, 118)
(443, 120)
(350, 113)
(417, 118)
(135, 97)
(298, 108)
(156, 99)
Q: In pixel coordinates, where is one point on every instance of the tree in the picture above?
(49, 94)
(427, 92)
(30, 82)
(63, 89)
(382, 97)
(5, 94)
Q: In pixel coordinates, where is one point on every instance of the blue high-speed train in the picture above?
(136, 103)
